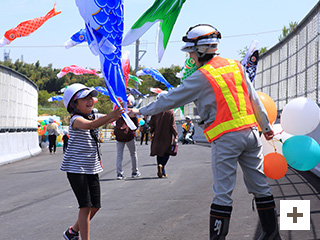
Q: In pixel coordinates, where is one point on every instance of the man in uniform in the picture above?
(230, 110)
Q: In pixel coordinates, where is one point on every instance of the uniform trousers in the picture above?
(242, 147)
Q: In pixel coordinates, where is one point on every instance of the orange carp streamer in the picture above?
(27, 27)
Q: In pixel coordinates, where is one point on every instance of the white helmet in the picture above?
(75, 88)
(202, 38)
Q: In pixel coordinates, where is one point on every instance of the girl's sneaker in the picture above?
(71, 235)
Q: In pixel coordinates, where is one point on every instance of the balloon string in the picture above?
(271, 143)
(278, 133)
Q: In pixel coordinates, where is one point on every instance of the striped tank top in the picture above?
(81, 155)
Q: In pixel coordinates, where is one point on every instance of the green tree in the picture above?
(287, 30)
(43, 97)
(49, 85)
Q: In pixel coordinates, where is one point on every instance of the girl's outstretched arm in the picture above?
(83, 123)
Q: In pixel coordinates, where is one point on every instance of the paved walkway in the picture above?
(297, 185)
(36, 201)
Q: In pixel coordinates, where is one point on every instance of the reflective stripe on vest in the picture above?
(234, 110)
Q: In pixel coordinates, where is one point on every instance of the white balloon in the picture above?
(300, 116)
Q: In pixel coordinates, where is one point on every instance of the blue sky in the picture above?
(239, 22)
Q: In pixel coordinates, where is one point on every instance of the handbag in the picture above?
(173, 149)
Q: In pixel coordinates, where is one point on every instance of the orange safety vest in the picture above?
(234, 109)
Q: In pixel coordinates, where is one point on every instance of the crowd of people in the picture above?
(230, 110)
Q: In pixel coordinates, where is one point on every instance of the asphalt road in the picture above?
(37, 202)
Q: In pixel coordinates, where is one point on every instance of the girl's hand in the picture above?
(116, 114)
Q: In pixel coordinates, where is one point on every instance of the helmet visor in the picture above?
(84, 93)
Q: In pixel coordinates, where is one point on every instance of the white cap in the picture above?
(74, 89)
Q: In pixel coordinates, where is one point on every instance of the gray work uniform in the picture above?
(242, 146)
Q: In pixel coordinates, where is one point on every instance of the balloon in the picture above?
(275, 165)
(141, 122)
(270, 107)
(300, 116)
(301, 152)
(42, 130)
(59, 140)
(42, 123)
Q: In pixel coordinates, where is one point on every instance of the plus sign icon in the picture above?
(294, 214)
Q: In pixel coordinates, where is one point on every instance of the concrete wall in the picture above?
(18, 116)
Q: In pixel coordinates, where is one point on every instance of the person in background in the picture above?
(144, 130)
(230, 110)
(53, 132)
(126, 137)
(65, 140)
(187, 132)
(82, 160)
(163, 131)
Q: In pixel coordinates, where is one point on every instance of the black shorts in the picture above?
(86, 187)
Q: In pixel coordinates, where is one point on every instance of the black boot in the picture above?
(268, 218)
(219, 221)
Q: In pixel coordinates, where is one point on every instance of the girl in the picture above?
(82, 158)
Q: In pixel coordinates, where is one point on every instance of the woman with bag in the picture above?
(164, 134)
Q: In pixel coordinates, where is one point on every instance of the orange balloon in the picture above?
(270, 106)
(275, 165)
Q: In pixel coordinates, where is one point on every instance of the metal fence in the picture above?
(290, 69)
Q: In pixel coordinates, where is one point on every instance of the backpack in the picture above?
(122, 132)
